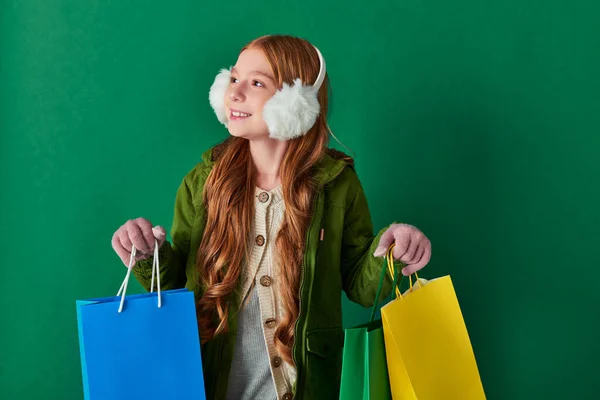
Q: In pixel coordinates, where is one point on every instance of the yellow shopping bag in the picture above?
(428, 350)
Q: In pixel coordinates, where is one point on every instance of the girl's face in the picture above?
(252, 84)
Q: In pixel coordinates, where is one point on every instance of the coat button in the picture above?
(266, 280)
(287, 396)
(276, 361)
(270, 323)
(263, 197)
(260, 240)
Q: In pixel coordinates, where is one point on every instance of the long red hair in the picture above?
(229, 199)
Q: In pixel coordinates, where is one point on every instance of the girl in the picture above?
(268, 229)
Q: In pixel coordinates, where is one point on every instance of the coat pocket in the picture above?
(324, 363)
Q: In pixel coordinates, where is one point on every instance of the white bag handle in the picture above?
(155, 270)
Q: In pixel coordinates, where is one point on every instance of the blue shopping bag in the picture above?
(143, 346)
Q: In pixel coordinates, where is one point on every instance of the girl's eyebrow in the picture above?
(258, 73)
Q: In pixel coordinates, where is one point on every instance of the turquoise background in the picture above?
(477, 122)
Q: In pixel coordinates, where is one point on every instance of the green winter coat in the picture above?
(343, 260)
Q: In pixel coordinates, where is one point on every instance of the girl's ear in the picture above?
(216, 96)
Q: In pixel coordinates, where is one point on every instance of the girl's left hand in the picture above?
(412, 247)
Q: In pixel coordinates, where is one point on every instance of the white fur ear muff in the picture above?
(216, 95)
(293, 110)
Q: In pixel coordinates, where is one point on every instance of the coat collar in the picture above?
(329, 167)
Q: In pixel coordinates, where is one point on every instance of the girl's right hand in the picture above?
(139, 233)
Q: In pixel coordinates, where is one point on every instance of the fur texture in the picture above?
(292, 111)
(216, 95)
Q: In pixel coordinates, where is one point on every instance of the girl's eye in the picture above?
(254, 83)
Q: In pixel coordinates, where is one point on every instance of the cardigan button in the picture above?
(266, 280)
(276, 361)
(260, 240)
(287, 396)
(263, 197)
(270, 323)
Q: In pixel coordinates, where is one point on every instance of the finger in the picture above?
(403, 241)
(410, 265)
(411, 269)
(126, 243)
(160, 234)
(384, 243)
(136, 237)
(124, 239)
(146, 228)
(411, 253)
(121, 251)
(419, 254)
(116, 243)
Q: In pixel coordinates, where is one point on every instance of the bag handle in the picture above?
(389, 258)
(155, 270)
(394, 274)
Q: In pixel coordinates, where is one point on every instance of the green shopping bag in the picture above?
(364, 366)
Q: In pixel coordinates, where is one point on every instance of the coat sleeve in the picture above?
(173, 257)
(359, 268)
